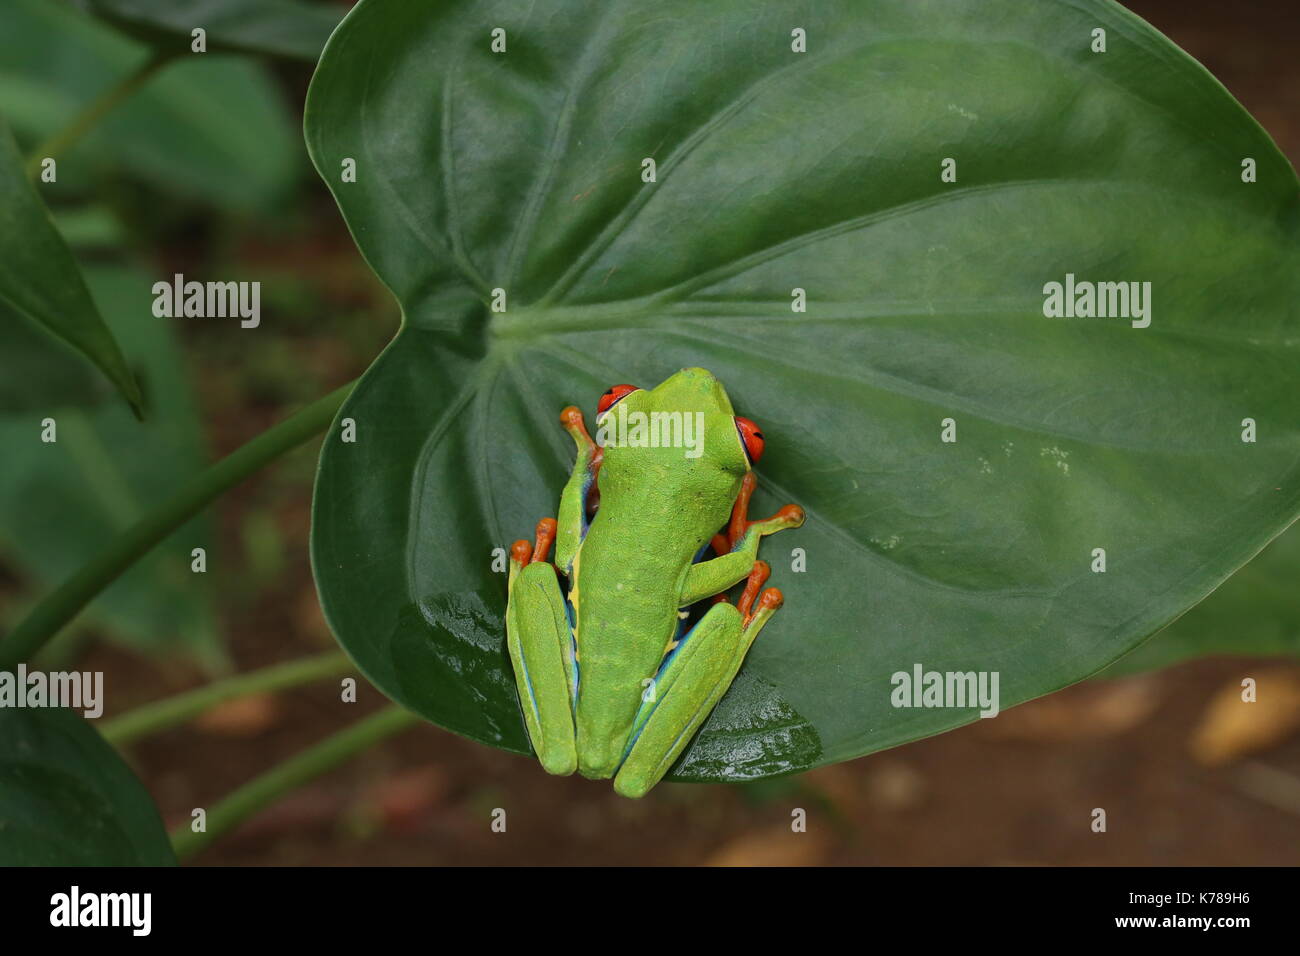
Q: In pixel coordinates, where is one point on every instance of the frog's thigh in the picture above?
(684, 694)
(541, 650)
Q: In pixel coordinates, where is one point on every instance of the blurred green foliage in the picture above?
(61, 501)
(207, 126)
(290, 28)
(42, 289)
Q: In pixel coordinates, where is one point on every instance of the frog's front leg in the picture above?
(689, 685)
(573, 500)
(541, 646)
(738, 549)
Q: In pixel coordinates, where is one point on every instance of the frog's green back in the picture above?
(659, 506)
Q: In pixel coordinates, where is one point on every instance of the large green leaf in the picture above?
(281, 27)
(42, 290)
(61, 502)
(208, 126)
(1256, 612)
(67, 799)
(779, 170)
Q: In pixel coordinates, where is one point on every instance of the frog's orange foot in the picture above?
(522, 553)
(545, 538)
(573, 422)
(740, 510)
(790, 516)
(757, 578)
(768, 603)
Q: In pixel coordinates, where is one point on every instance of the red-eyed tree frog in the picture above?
(610, 681)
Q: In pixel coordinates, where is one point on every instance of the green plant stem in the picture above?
(163, 714)
(95, 111)
(294, 772)
(60, 607)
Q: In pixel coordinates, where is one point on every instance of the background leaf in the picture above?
(207, 126)
(779, 170)
(39, 372)
(67, 799)
(40, 283)
(61, 502)
(280, 27)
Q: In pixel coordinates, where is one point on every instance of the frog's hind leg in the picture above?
(540, 640)
(691, 681)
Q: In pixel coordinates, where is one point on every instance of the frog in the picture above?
(615, 674)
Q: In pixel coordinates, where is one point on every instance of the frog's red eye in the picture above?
(614, 395)
(752, 437)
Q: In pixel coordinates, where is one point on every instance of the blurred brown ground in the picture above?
(1017, 790)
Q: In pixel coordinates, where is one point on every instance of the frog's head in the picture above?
(692, 405)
